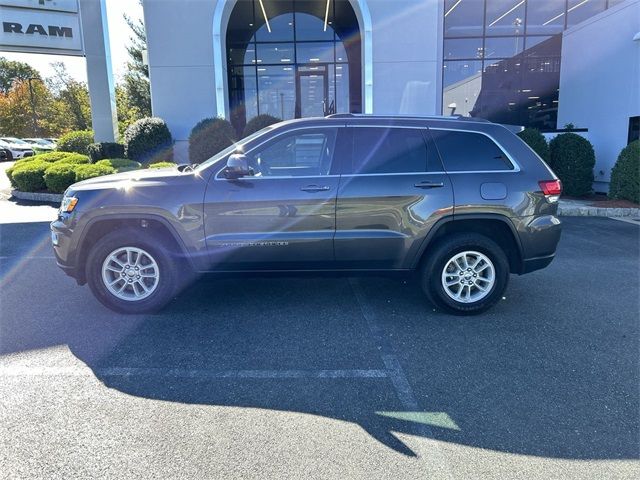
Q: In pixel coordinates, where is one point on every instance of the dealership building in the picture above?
(537, 63)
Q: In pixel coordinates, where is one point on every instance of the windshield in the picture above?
(13, 140)
(236, 147)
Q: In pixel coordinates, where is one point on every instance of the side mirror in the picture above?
(237, 166)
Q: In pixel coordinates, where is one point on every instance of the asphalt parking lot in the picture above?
(325, 378)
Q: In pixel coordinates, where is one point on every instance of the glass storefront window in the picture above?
(463, 18)
(501, 58)
(315, 52)
(455, 48)
(545, 16)
(462, 86)
(280, 20)
(275, 53)
(294, 62)
(503, 47)
(505, 17)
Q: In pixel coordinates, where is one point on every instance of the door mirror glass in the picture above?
(237, 166)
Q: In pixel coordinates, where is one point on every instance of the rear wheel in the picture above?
(465, 274)
(131, 274)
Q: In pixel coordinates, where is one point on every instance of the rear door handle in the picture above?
(315, 188)
(429, 185)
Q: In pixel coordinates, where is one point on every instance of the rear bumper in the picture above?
(533, 264)
(539, 237)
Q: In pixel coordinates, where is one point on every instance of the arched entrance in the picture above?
(290, 59)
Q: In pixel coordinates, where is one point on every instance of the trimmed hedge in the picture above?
(84, 172)
(105, 150)
(537, 142)
(148, 140)
(77, 141)
(29, 177)
(162, 165)
(259, 122)
(209, 137)
(59, 176)
(120, 164)
(74, 159)
(625, 175)
(572, 159)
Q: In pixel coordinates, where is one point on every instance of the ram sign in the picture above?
(40, 26)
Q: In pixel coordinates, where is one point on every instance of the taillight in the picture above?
(551, 187)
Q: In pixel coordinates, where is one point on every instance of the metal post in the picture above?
(33, 107)
(95, 35)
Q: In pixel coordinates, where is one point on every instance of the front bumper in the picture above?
(63, 248)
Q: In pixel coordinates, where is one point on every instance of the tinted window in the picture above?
(388, 150)
(303, 153)
(466, 151)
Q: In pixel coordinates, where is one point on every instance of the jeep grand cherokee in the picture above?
(462, 203)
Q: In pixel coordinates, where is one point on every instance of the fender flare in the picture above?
(465, 216)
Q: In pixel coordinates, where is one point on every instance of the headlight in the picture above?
(68, 204)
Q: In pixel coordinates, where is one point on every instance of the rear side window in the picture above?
(469, 152)
(387, 150)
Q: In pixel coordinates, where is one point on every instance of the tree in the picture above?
(16, 111)
(74, 96)
(133, 95)
(11, 71)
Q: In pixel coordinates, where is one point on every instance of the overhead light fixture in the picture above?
(326, 15)
(561, 14)
(265, 16)
(452, 8)
(505, 14)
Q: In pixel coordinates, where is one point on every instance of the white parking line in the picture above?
(394, 369)
(36, 371)
(634, 221)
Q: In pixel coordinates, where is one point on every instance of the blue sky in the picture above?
(119, 34)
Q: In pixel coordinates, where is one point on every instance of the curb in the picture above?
(572, 211)
(37, 197)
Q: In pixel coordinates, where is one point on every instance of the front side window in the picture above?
(469, 152)
(388, 150)
(302, 153)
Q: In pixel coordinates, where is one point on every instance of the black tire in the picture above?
(439, 256)
(167, 283)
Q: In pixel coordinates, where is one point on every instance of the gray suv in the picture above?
(459, 203)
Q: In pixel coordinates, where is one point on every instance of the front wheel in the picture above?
(129, 274)
(465, 274)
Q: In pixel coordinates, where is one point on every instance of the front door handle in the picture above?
(429, 185)
(315, 188)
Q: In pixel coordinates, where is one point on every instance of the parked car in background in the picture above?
(17, 149)
(4, 154)
(461, 203)
(41, 144)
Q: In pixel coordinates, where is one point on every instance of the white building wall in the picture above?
(600, 82)
(406, 59)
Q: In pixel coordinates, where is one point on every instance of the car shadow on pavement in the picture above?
(553, 379)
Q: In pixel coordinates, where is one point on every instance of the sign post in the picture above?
(67, 27)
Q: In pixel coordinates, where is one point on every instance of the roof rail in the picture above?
(409, 117)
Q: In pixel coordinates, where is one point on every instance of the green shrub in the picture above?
(74, 159)
(257, 123)
(77, 141)
(9, 173)
(29, 176)
(120, 164)
(209, 137)
(59, 176)
(45, 157)
(537, 142)
(162, 165)
(84, 172)
(572, 159)
(148, 141)
(105, 150)
(625, 175)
